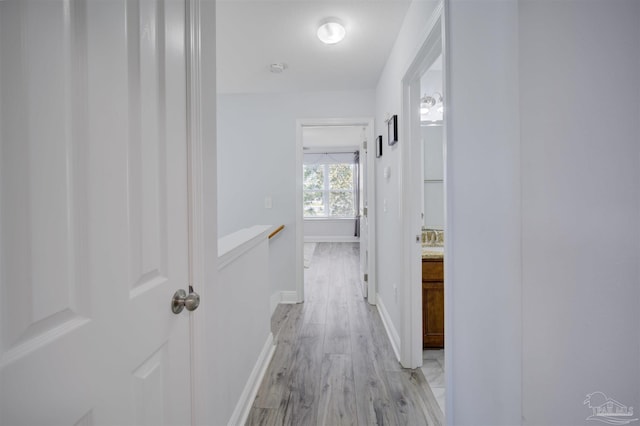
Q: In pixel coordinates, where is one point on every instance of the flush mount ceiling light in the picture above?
(331, 31)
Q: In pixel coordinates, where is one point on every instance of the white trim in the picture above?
(232, 246)
(356, 121)
(196, 195)
(284, 297)
(394, 337)
(200, 102)
(411, 165)
(328, 219)
(288, 297)
(372, 287)
(243, 407)
(330, 239)
(299, 234)
(275, 301)
(449, 228)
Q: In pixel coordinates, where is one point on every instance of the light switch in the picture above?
(267, 202)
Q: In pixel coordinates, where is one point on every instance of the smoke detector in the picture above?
(277, 68)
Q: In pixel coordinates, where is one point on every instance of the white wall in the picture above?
(331, 138)
(329, 230)
(432, 142)
(388, 220)
(241, 324)
(389, 102)
(256, 158)
(580, 199)
(483, 267)
(545, 308)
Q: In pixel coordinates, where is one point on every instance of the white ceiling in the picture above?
(251, 35)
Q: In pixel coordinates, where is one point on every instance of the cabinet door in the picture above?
(433, 314)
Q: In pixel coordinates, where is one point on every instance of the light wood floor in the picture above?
(334, 364)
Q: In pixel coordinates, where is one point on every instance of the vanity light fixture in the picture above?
(331, 31)
(427, 103)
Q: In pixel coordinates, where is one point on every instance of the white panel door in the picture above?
(93, 213)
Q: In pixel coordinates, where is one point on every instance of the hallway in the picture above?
(334, 364)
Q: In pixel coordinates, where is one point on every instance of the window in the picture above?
(328, 190)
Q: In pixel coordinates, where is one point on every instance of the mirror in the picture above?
(431, 114)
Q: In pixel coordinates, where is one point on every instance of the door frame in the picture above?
(201, 193)
(412, 168)
(315, 122)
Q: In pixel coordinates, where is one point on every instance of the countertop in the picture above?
(431, 252)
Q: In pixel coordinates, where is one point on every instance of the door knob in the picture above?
(183, 300)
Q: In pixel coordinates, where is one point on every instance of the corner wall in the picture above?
(257, 158)
(388, 212)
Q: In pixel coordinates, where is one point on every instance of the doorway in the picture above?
(328, 147)
(425, 225)
(432, 236)
(413, 195)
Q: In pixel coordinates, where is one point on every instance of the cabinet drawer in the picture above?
(432, 270)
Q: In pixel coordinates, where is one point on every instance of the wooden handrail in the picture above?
(273, 234)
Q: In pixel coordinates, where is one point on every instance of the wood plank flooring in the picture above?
(334, 364)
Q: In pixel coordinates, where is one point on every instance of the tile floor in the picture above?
(433, 370)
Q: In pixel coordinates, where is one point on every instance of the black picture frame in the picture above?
(392, 127)
(379, 146)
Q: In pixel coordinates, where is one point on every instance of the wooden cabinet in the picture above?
(432, 303)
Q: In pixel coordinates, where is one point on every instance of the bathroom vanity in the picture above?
(432, 298)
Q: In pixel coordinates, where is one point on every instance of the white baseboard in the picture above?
(243, 407)
(287, 297)
(388, 326)
(335, 239)
(275, 300)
